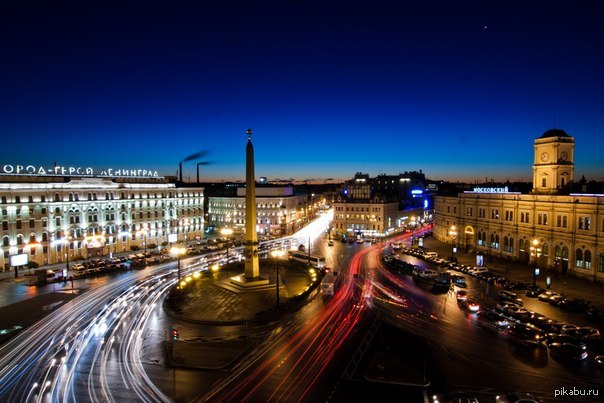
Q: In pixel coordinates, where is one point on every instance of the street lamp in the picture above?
(144, 232)
(178, 251)
(535, 252)
(453, 233)
(277, 254)
(67, 242)
(227, 232)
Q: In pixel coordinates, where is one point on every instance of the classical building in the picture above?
(47, 215)
(550, 228)
(278, 210)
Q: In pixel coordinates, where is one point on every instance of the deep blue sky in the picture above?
(457, 89)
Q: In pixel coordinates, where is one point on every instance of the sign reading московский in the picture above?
(75, 171)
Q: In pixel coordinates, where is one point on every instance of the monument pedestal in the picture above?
(241, 283)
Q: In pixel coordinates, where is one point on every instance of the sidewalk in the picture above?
(566, 285)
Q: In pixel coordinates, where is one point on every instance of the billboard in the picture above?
(172, 238)
(19, 260)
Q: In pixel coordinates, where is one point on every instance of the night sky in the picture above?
(457, 89)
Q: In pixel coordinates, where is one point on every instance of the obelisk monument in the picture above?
(252, 269)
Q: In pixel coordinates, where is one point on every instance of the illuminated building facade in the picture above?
(551, 227)
(46, 216)
(279, 211)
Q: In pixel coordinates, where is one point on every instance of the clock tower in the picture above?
(553, 166)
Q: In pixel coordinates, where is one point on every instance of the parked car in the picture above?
(518, 397)
(573, 305)
(510, 296)
(525, 334)
(544, 296)
(551, 338)
(595, 315)
(492, 320)
(555, 300)
(567, 351)
(477, 270)
(77, 267)
(583, 333)
(534, 292)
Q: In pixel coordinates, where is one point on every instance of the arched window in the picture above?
(57, 197)
(544, 249)
(5, 241)
(32, 238)
(579, 258)
(511, 245)
(19, 239)
(44, 236)
(601, 263)
(70, 196)
(587, 259)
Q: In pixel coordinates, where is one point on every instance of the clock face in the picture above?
(563, 156)
(544, 156)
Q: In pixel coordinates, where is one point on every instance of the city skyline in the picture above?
(459, 92)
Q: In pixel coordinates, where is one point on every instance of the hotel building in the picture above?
(550, 228)
(47, 213)
(279, 210)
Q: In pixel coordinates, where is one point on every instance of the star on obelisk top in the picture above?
(249, 134)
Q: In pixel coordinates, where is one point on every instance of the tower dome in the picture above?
(554, 133)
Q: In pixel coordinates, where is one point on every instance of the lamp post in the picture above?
(535, 252)
(453, 233)
(177, 251)
(145, 238)
(277, 254)
(68, 241)
(227, 232)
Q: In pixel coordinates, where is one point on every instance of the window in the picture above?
(495, 214)
(542, 219)
(5, 241)
(587, 259)
(18, 224)
(17, 199)
(601, 263)
(584, 223)
(579, 258)
(32, 223)
(544, 182)
(5, 225)
(509, 215)
(524, 218)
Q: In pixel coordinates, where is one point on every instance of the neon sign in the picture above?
(491, 190)
(33, 170)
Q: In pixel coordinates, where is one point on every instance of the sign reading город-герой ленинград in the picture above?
(33, 170)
